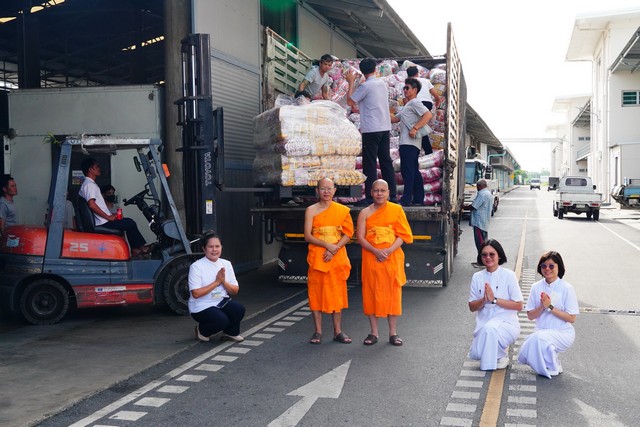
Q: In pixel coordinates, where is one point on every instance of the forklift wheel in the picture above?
(44, 302)
(175, 287)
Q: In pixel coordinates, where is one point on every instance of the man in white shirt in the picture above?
(427, 95)
(91, 193)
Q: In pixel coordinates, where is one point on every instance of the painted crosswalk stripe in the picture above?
(465, 395)
(284, 323)
(156, 402)
(457, 422)
(240, 350)
(468, 373)
(527, 413)
(127, 415)
(252, 343)
(273, 329)
(176, 389)
(469, 384)
(523, 387)
(526, 400)
(461, 407)
(263, 336)
(293, 318)
(223, 358)
(209, 367)
(191, 378)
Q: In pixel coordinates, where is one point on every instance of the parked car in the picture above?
(576, 194)
(534, 183)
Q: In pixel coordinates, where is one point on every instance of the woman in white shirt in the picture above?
(553, 305)
(495, 297)
(212, 282)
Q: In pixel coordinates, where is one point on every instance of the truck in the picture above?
(474, 170)
(436, 230)
(576, 194)
(627, 193)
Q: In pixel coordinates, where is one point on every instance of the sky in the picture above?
(513, 57)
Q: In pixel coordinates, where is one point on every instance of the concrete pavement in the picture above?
(45, 369)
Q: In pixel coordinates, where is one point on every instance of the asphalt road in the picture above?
(141, 367)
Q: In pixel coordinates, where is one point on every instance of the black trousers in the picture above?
(226, 319)
(375, 146)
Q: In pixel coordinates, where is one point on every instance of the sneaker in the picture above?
(237, 338)
(199, 336)
(503, 362)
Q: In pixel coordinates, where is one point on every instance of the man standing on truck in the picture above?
(427, 96)
(382, 228)
(480, 215)
(372, 100)
(328, 227)
(8, 211)
(317, 79)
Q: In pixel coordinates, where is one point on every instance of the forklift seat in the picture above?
(86, 222)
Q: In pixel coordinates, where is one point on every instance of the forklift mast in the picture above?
(202, 136)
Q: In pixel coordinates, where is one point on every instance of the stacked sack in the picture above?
(394, 76)
(296, 145)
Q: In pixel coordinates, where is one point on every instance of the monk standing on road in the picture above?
(328, 227)
(382, 228)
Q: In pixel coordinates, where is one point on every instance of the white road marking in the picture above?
(273, 329)
(223, 358)
(252, 343)
(127, 415)
(328, 386)
(467, 373)
(284, 323)
(156, 402)
(173, 389)
(209, 367)
(526, 400)
(461, 407)
(469, 384)
(465, 395)
(263, 336)
(293, 318)
(457, 422)
(191, 378)
(178, 371)
(636, 247)
(527, 413)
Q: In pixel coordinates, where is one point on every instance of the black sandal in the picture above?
(342, 338)
(370, 339)
(395, 340)
(316, 338)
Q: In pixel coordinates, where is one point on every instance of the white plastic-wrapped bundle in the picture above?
(438, 76)
(431, 174)
(430, 160)
(433, 187)
(296, 144)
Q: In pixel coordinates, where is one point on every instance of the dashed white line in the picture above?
(156, 402)
(209, 367)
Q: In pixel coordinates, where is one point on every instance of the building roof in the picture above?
(373, 25)
(82, 43)
(479, 130)
(588, 28)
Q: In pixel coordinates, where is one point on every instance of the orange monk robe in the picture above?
(327, 281)
(382, 281)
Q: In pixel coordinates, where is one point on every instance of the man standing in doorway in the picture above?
(8, 211)
(480, 215)
(372, 100)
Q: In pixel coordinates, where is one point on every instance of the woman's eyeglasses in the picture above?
(488, 255)
(545, 266)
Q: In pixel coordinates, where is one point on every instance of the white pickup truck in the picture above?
(576, 194)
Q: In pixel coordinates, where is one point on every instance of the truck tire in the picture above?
(560, 213)
(555, 211)
(588, 215)
(175, 287)
(44, 302)
(596, 214)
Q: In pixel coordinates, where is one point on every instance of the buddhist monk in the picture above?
(382, 228)
(328, 227)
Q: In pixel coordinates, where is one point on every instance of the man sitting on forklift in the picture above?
(103, 218)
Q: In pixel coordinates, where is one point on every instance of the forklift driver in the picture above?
(91, 193)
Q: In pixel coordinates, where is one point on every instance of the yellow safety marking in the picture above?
(491, 409)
